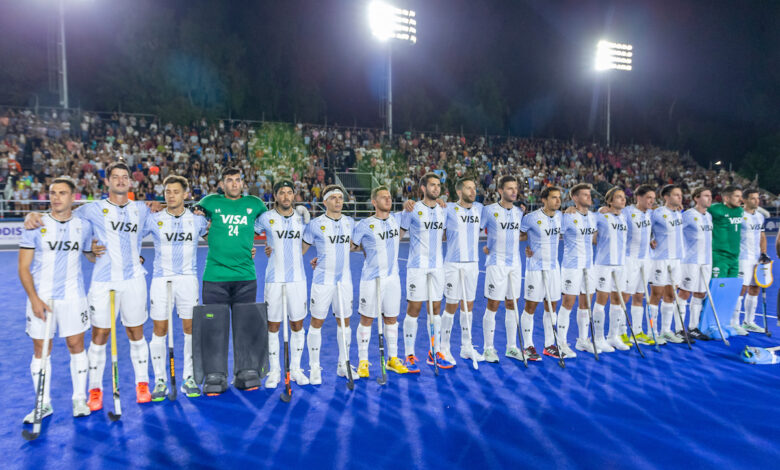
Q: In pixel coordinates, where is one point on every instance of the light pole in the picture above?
(612, 56)
(63, 62)
(388, 22)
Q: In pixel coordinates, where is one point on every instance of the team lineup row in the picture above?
(612, 254)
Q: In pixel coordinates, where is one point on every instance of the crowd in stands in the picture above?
(37, 146)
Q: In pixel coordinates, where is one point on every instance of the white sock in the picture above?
(737, 308)
(564, 315)
(488, 328)
(314, 340)
(447, 320)
(157, 348)
(616, 320)
(583, 324)
(363, 337)
(187, 357)
(465, 329)
(273, 351)
(751, 303)
(35, 369)
(343, 342)
(683, 305)
(97, 365)
(79, 368)
(696, 307)
(139, 354)
(297, 340)
(527, 324)
(548, 320)
(652, 312)
(410, 334)
(437, 333)
(636, 318)
(667, 313)
(391, 339)
(510, 322)
(598, 321)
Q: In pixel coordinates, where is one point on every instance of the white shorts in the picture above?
(692, 280)
(604, 281)
(534, 287)
(660, 275)
(417, 284)
(184, 290)
(497, 282)
(323, 297)
(296, 300)
(391, 297)
(452, 289)
(573, 281)
(71, 317)
(747, 272)
(633, 274)
(130, 302)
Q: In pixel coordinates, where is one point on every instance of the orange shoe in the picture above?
(142, 394)
(95, 401)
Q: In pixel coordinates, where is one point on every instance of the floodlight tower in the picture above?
(612, 56)
(390, 23)
(63, 58)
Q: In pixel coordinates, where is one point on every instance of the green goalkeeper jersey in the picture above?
(726, 222)
(231, 237)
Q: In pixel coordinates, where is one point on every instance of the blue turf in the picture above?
(676, 408)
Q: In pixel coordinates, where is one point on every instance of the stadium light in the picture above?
(390, 23)
(63, 72)
(612, 56)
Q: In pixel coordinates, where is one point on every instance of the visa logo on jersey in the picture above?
(338, 238)
(433, 225)
(66, 245)
(756, 227)
(388, 234)
(552, 231)
(642, 224)
(470, 219)
(706, 228)
(735, 220)
(124, 227)
(587, 231)
(288, 234)
(619, 227)
(510, 225)
(233, 219)
(675, 222)
(178, 237)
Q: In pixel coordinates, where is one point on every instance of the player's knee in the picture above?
(296, 325)
(75, 343)
(315, 323)
(509, 304)
(273, 327)
(100, 335)
(160, 328)
(135, 333)
(366, 321)
(186, 326)
(492, 305)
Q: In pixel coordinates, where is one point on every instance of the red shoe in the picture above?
(142, 394)
(95, 401)
(411, 364)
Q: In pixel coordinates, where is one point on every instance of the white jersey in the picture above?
(331, 238)
(503, 235)
(639, 231)
(697, 236)
(667, 232)
(463, 226)
(578, 230)
(119, 229)
(543, 236)
(750, 238)
(611, 239)
(380, 239)
(426, 230)
(56, 265)
(284, 235)
(175, 242)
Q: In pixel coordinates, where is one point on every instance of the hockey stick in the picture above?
(381, 380)
(345, 351)
(677, 307)
(517, 320)
(590, 313)
(766, 324)
(431, 332)
(172, 390)
(38, 414)
(117, 414)
(467, 315)
(625, 310)
(548, 303)
(712, 303)
(286, 395)
(647, 313)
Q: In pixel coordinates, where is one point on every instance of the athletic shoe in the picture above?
(617, 343)
(568, 353)
(95, 401)
(672, 338)
(491, 355)
(738, 330)
(627, 340)
(448, 356)
(273, 379)
(698, 335)
(552, 351)
(603, 346)
(341, 371)
(467, 354)
(80, 408)
(531, 354)
(752, 327)
(315, 376)
(160, 391)
(584, 345)
(46, 412)
(395, 365)
(363, 369)
(642, 338)
(660, 340)
(514, 353)
(682, 335)
(411, 364)
(299, 377)
(190, 388)
(441, 361)
(142, 394)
